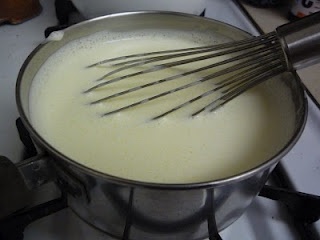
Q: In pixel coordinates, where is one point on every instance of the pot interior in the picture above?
(131, 22)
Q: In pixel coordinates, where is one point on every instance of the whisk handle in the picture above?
(301, 41)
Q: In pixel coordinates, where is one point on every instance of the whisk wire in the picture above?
(202, 80)
(262, 39)
(219, 102)
(169, 65)
(244, 76)
(252, 61)
(145, 61)
(247, 63)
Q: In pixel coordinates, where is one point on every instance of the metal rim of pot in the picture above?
(223, 181)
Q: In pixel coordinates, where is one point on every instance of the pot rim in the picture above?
(167, 186)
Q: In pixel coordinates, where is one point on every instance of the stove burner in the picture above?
(303, 207)
(12, 227)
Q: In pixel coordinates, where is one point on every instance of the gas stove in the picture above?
(265, 219)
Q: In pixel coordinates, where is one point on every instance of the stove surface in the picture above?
(264, 220)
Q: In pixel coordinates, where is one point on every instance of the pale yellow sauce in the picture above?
(175, 149)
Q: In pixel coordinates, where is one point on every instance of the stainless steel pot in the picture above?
(138, 210)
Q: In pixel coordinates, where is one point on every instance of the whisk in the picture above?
(247, 63)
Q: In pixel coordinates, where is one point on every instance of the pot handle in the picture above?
(17, 181)
(14, 192)
(16, 185)
(36, 171)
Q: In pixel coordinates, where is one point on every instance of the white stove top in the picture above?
(264, 220)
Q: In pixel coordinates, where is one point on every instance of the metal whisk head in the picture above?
(245, 64)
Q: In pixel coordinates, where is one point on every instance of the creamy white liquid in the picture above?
(175, 149)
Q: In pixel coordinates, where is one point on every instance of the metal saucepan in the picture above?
(143, 210)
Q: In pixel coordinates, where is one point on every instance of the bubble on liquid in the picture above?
(55, 36)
